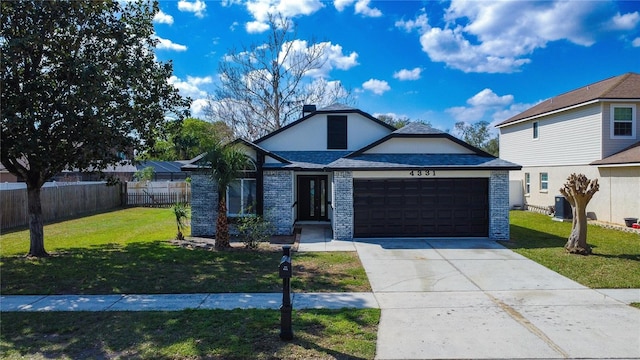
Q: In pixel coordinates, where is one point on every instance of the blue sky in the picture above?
(439, 61)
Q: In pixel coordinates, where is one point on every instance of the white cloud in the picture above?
(378, 87)
(254, 27)
(636, 42)
(340, 5)
(162, 18)
(481, 103)
(333, 56)
(406, 74)
(261, 9)
(421, 23)
(197, 7)
(361, 7)
(487, 97)
(198, 107)
(625, 22)
(192, 86)
(499, 37)
(166, 44)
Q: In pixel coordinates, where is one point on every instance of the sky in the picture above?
(436, 61)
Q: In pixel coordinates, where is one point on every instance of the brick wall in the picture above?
(278, 200)
(499, 205)
(343, 205)
(204, 201)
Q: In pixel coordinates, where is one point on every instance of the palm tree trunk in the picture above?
(222, 227)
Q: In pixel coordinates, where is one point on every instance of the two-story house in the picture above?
(343, 167)
(592, 130)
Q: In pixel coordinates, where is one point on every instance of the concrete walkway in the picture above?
(477, 299)
(176, 302)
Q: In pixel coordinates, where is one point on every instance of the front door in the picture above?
(312, 197)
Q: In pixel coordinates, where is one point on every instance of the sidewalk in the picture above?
(177, 302)
(228, 301)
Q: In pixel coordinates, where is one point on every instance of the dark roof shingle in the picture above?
(626, 86)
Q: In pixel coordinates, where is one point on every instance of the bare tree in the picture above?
(264, 86)
(578, 190)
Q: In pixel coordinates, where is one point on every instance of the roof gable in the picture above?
(335, 108)
(417, 138)
(622, 87)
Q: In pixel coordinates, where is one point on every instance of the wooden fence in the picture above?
(59, 202)
(157, 199)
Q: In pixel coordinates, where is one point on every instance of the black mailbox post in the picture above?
(285, 271)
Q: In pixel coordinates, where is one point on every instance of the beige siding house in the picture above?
(591, 130)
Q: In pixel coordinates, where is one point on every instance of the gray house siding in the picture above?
(204, 200)
(499, 205)
(278, 198)
(343, 205)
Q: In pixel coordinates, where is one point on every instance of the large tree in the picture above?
(479, 135)
(400, 121)
(263, 86)
(578, 190)
(188, 139)
(80, 87)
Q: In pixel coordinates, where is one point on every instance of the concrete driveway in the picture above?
(451, 299)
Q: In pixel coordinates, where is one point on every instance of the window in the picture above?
(527, 183)
(241, 197)
(336, 132)
(623, 118)
(544, 182)
(535, 129)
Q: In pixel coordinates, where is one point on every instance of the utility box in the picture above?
(563, 209)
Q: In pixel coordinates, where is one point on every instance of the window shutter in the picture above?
(336, 132)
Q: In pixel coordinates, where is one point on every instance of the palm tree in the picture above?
(181, 213)
(226, 163)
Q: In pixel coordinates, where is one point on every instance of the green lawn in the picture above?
(615, 262)
(193, 334)
(127, 252)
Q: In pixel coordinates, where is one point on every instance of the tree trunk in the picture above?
(222, 227)
(577, 242)
(36, 225)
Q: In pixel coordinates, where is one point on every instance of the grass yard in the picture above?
(615, 262)
(127, 252)
(208, 334)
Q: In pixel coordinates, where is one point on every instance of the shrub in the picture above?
(253, 230)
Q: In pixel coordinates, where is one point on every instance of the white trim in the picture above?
(564, 109)
(633, 121)
(616, 165)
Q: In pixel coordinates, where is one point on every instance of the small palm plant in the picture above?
(180, 210)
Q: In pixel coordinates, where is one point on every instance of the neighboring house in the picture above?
(343, 167)
(165, 170)
(592, 130)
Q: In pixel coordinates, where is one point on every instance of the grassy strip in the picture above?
(615, 262)
(194, 334)
(127, 252)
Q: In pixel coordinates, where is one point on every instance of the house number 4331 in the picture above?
(422, 173)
